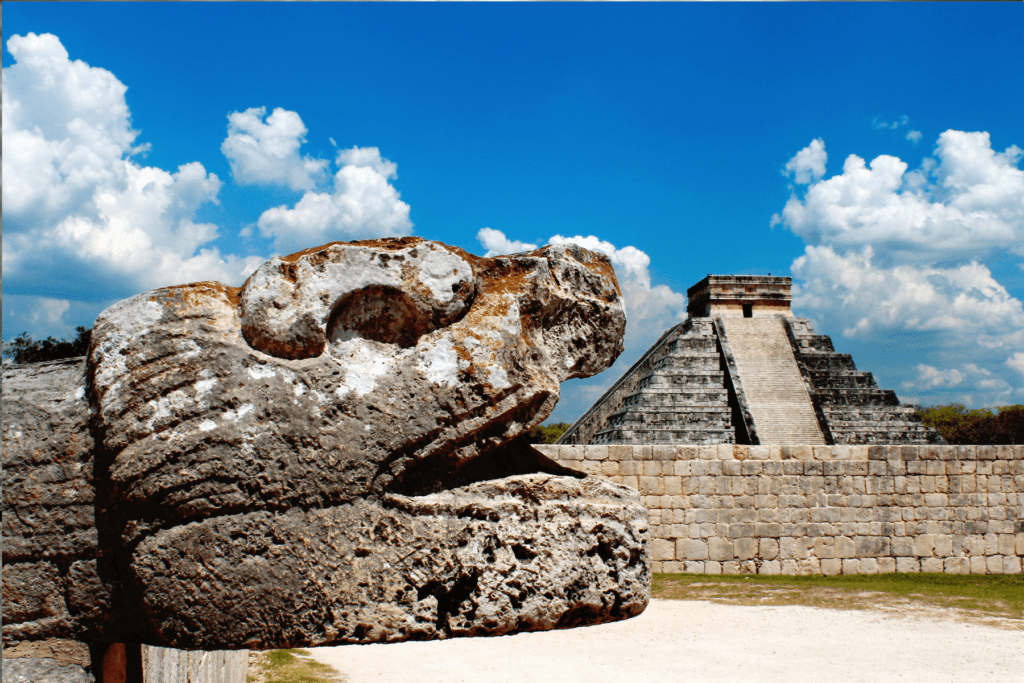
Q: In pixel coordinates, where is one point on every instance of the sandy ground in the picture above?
(675, 640)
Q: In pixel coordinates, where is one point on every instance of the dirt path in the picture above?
(683, 640)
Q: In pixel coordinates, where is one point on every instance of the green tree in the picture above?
(982, 426)
(23, 349)
(546, 433)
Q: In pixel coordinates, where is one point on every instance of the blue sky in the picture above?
(683, 139)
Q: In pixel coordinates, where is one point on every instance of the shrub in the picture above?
(26, 350)
(546, 433)
(981, 426)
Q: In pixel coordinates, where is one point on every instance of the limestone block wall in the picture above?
(822, 509)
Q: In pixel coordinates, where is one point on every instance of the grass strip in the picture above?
(290, 666)
(999, 596)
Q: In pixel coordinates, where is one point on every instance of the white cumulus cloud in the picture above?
(368, 157)
(809, 163)
(929, 377)
(894, 253)
(267, 152)
(496, 243)
(81, 218)
(966, 201)
(360, 204)
(878, 123)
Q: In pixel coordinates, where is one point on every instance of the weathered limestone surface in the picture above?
(43, 670)
(822, 509)
(47, 661)
(326, 454)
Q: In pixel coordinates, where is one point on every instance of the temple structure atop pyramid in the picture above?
(741, 369)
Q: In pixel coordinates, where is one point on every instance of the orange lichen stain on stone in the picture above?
(497, 282)
(195, 293)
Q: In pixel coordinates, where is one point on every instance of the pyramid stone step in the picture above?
(772, 381)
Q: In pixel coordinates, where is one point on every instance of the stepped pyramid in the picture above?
(741, 369)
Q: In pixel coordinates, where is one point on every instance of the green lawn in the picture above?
(991, 595)
(283, 666)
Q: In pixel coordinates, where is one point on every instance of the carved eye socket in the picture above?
(286, 306)
(379, 313)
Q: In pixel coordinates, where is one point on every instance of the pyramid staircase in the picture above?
(855, 409)
(674, 394)
(772, 381)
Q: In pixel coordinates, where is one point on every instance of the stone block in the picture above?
(1011, 565)
(979, 565)
(720, 549)
(769, 548)
(672, 567)
(802, 452)
(991, 544)
(33, 592)
(686, 453)
(1007, 544)
(995, 564)
(924, 545)
(691, 549)
(943, 544)
(712, 567)
(770, 568)
(831, 567)
(824, 548)
(790, 567)
(731, 567)
(620, 453)
(956, 565)
(868, 565)
(886, 565)
(878, 453)
(932, 564)
(673, 486)
(662, 549)
(907, 453)
(1020, 544)
(651, 486)
(851, 566)
(758, 453)
(906, 565)
(845, 547)
(746, 548)
(871, 546)
(664, 453)
(903, 546)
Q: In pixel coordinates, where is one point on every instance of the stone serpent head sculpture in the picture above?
(327, 454)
